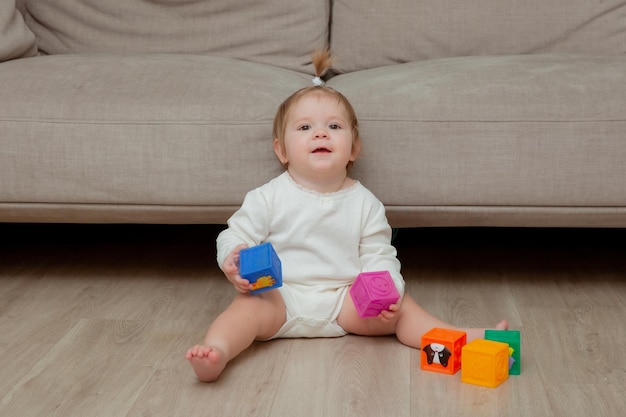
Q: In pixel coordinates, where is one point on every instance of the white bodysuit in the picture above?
(323, 241)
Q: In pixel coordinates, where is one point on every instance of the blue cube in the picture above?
(261, 266)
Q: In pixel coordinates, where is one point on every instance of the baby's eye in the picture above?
(334, 126)
(304, 127)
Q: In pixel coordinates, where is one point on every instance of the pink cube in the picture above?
(373, 292)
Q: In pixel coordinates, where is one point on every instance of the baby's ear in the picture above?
(279, 150)
(356, 149)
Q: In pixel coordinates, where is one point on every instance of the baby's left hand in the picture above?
(391, 314)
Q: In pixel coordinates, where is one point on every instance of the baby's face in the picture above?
(318, 139)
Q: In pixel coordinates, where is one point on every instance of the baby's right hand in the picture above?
(231, 270)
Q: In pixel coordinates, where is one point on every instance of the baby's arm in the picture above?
(376, 252)
(247, 227)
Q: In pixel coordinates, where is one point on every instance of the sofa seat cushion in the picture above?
(168, 130)
(518, 131)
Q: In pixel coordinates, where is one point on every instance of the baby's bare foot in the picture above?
(503, 325)
(207, 362)
(478, 333)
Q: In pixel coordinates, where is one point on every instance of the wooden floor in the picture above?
(95, 321)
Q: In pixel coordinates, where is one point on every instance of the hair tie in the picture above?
(318, 82)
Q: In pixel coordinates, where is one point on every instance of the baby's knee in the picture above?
(267, 306)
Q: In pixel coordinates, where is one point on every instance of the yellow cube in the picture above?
(485, 362)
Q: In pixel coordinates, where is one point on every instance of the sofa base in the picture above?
(398, 216)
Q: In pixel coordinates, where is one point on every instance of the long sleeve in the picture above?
(375, 249)
(249, 225)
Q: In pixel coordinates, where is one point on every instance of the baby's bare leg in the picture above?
(414, 321)
(410, 323)
(252, 316)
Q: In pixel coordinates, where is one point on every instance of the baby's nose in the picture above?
(321, 133)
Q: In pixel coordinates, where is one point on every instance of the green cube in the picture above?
(512, 337)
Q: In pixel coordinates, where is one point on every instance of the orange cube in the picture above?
(485, 362)
(441, 350)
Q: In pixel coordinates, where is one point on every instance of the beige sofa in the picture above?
(482, 113)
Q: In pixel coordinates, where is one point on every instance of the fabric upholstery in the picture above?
(556, 137)
(401, 31)
(16, 39)
(482, 113)
(139, 129)
(276, 32)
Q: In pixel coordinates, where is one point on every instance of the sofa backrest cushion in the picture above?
(16, 40)
(277, 32)
(373, 33)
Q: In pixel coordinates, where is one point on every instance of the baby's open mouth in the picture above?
(321, 150)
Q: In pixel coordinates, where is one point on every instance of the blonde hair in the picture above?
(322, 60)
